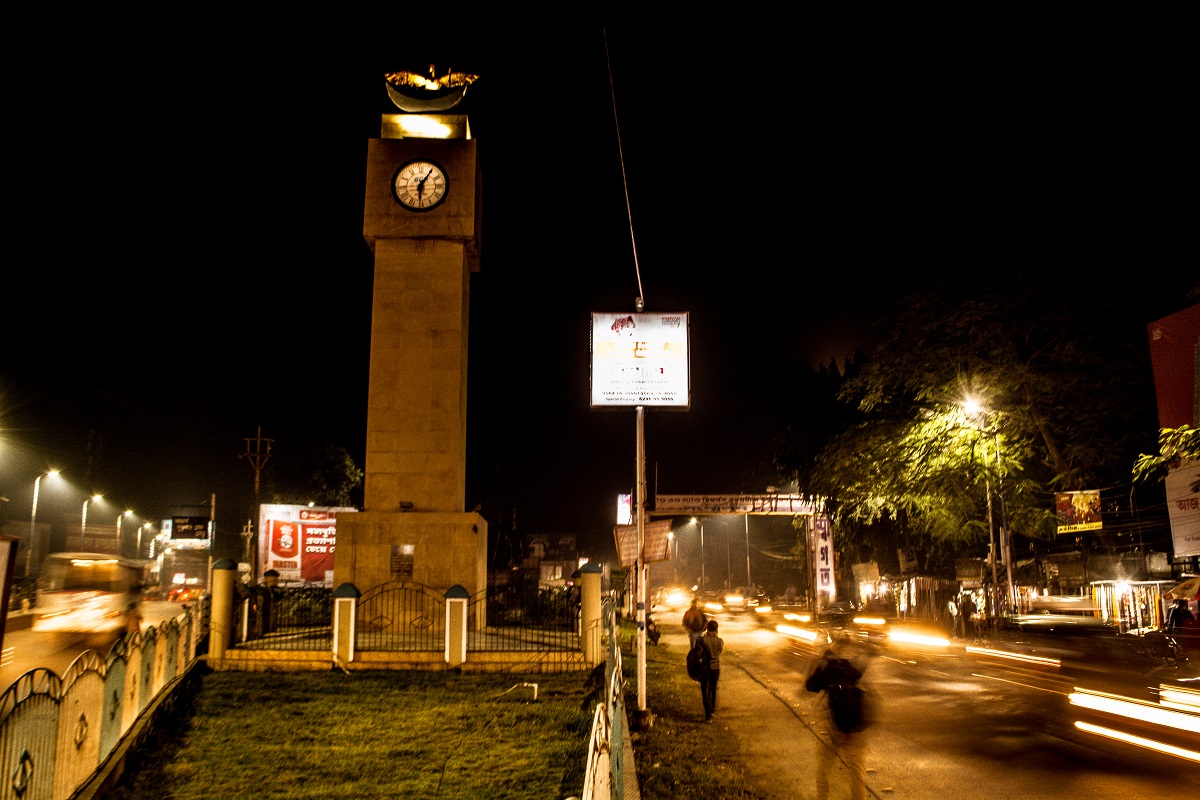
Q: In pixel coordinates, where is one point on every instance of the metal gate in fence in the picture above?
(286, 618)
(518, 618)
(399, 617)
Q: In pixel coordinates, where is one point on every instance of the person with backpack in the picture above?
(694, 622)
(836, 674)
(711, 672)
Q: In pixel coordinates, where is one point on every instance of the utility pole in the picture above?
(257, 456)
(258, 450)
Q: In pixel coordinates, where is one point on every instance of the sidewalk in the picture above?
(790, 752)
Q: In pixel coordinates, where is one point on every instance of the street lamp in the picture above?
(144, 526)
(749, 583)
(701, 524)
(120, 541)
(974, 408)
(37, 484)
(83, 521)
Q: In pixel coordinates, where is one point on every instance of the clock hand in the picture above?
(421, 184)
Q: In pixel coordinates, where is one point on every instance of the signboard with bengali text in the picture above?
(298, 542)
(692, 504)
(657, 545)
(823, 554)
(1183, 509)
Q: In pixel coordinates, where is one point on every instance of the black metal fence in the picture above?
(400, 617)
(408, 617)
(523, 617)
(285, 618)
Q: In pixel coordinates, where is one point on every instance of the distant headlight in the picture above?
(763, 610)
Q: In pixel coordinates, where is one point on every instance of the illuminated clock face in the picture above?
(420, 185)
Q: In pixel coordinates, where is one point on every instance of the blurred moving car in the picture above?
(1077, 643)
(87, 592)
(711, 602)
(745, 598)
(839, 613)
(671, 598)
(734, 602)
(184, 594)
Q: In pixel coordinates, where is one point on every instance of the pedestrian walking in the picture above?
(708, 680)
(966, 613)
(694, 622)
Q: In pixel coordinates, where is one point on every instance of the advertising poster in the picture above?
(298, 542)
(1078, 511)
(640, 360)
(1183, 506)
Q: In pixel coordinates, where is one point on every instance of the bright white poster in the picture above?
(640, 360)
(1183, 506)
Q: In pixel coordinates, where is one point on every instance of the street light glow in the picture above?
(37, 484)
(83, 520)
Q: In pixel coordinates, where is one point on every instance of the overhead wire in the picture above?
(640, 302)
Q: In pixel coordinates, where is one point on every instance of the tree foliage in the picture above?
(1177, 447)
(324, 476)
(1058, 362)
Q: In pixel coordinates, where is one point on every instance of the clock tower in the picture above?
(421, 220)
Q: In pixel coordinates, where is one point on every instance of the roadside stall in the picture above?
(1134, 606)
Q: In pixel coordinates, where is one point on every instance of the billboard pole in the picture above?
(641, 558)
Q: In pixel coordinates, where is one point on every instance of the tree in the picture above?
(324, 476)
(1060, 364)
(1177, 447)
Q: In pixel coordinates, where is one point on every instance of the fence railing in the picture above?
(604, 777)
(507, 618)
(400, 617)
(288, 618)
(56, 732)
(408, 617)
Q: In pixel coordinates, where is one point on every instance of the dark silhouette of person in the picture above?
(694, 622)
(712, 673)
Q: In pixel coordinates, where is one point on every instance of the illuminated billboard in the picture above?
(187, 533)
(640, 360)
(298, 542)
(1078, 511)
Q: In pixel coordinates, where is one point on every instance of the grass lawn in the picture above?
(329, 735)
(370, 735)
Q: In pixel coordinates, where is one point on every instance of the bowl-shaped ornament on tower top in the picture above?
(411, 91)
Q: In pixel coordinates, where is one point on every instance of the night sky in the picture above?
(186, 260)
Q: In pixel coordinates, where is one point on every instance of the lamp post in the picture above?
(37, 485)
(142, 527)
(120, 541)
(749, 583)
(83, 521)
(974, 408)
(702, 578)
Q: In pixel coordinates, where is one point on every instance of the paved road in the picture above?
(942, 725)
(25, 649)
